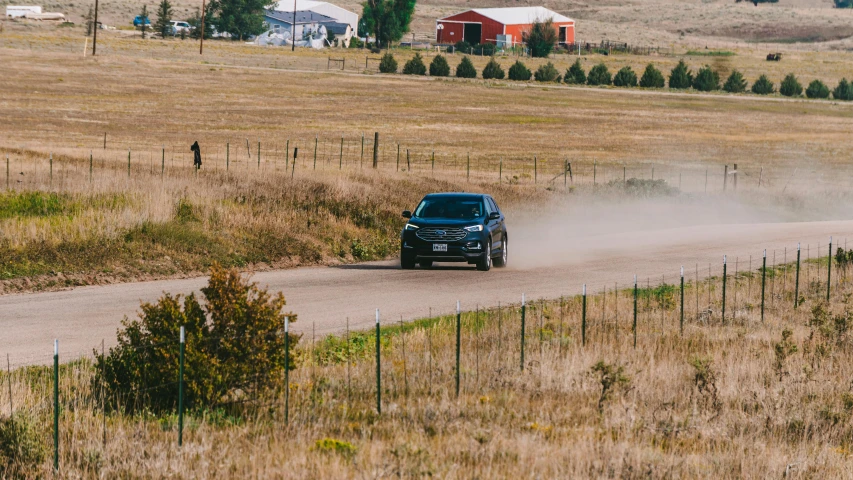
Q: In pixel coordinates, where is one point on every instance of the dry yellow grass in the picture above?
(717, 402)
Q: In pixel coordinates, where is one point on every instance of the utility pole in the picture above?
(95, 38)
(293, 29)
(201, 37)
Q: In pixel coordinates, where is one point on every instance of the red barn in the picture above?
(502, 26)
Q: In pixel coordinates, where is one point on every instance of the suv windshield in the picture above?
(452, 208)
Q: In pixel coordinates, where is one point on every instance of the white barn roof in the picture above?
(521, 15)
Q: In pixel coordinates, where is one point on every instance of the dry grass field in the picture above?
(729, 397)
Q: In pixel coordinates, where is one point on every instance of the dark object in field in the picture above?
(196, 155)
(774, 57)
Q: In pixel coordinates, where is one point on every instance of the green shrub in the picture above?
(547, 73)
(790, 86)
(844, 91)
(599, 75)
(680, 77)
(493, 70)
(234, 347)
(763, 86)
(519, 71)
(415, 66)
(485, 49)
(21, 447)
(706, 80)
(817, 89)
(462, 46)
(575, 74)
(439, 67)
(388, 64)
(466, 69)
(735, 83)
(652, 78)
(625, 77)
(355, 42)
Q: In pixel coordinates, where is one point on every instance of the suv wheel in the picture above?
(502, 260)
(407, 260)
(485, 264)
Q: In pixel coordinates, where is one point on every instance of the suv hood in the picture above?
(444, 222)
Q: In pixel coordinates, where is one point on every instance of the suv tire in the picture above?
(407, 261)
(501, 261)
(485, 264)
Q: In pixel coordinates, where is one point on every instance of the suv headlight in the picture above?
(409, 226)
(474, 228)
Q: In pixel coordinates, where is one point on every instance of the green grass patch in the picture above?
(33, 204)
(710, 53)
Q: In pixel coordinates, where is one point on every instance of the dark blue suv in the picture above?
(454, 227)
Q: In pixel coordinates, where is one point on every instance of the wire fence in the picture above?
(467, 351)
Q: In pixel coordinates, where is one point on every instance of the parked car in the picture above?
(178, 27)
(140, 20)
(454, 227)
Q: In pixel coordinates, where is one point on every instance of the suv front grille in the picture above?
(432, 234)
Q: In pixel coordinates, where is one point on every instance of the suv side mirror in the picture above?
(494, 216)
(407, 214)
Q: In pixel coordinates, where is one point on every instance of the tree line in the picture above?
(680, 77)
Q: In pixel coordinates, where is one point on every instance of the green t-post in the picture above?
(682, 301)
(829, 271)
(378, 369)
(797, 281)
(763, 281)
(724, 289)
(316, 139)
(163, 161)
(286, 370)
(635, 311)
(458, 345)
(583, 318)
(90, 165)
(56, 405)
(523, 313)
(227, 155)
(128, 163)
(181, 388)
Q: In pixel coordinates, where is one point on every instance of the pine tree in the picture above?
(541, 38)
(652, 78)
(599, 75)
(625, 78)
(415, 66)
(164, 18)
(706, 80)
(388, 64)
(519, 71)
(493, 70)
(763, 86)
(844, 91)
(439, 67)
(790, 86)
(735, 83)
(575, 74)
(466, 69)
(547, 73)
(680, 77)
(817, 89)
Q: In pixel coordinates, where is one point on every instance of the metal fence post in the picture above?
(500, 170)
(316, 139)
(535, 170)
(378, 369)
(829, 271)
(51, 171)
(724, 289)
(56, 404)
(227, 155)
(763, 282)
(398, 157)
(797, 281)
(635, 311)
(181, 388)
(128, 163)
(682, 300)
(583, 318)
(287, 369)
(259, 153)
(468, 169)
(341, 158)
(523, 312)
(458, 344)
(90, 166)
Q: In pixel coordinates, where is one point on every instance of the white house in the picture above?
(323, 8)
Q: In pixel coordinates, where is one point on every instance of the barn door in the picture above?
(473, 33)
(562, 34)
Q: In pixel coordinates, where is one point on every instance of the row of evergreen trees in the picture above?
(680, 77)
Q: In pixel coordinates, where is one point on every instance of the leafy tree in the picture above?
(439, 67)
(575, 74)
(817, 89)
(466, 69)
(599, 75)
(388, 64)
(163, 24)
(652, 78)
(735, 83)
(547, 73)
(541, 38)
(625, 78)
(144, 14)
(680, 77)
(415, 66)
(843, 3)
(234, 347)
(493, 70)
(519, 71)
(195, 23)
(706, 80)
(763, 86)
(240, 18)
(844, 90)
(387, 20)
(790, 86)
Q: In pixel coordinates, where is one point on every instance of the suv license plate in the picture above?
(439, 247)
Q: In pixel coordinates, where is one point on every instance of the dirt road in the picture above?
(326, 296)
